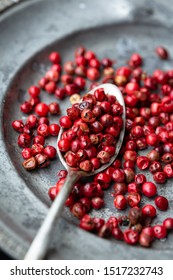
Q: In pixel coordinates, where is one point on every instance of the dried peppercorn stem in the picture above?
(40, 243)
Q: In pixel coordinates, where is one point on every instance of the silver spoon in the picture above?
(40, 243)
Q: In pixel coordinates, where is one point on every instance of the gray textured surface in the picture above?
(4, 4)
(29, 32)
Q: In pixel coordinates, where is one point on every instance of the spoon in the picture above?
(40, 243)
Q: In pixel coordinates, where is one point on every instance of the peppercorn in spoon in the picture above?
(78, 163)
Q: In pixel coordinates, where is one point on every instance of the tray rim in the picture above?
(7, 235)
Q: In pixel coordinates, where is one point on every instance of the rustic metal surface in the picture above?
(4, 4)
(29, 31)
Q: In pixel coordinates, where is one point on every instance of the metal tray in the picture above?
(28, 32)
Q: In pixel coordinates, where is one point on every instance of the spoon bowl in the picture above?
(40, 243)
(112, 90)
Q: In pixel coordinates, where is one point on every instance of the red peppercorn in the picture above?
(168, 223)
(26, 107)
(81, 155)
(168, 170)
(98, 223)
(78, 210)
(160, 177)
(161, 52)
(37, 149)
(86, 165)
(69, 67)
(161, 203)
(54, 129)
(27, 129)
(135, 215)
(104, 157)
(140, 179)
(42, 160)
(152, 139)
(62, 174)
(97, 202)
(70, 201)
(100, 94)
(129, 174)
(43, 120)
(150, 83)
(113, 222)
(117, 234)
(153, 155)
(39, 140)
(133, 199)
(123, 71)
(103, 179)
(54, 108)
(32, 121)
(130, 88)
(87, 223)
(120, 202)
(133, 187)
(71, 159)
(142, 162)
(24, 140)
(54, 57)
(18, 125)
(95, 162)
(56, 67)
(64, 145)
(86, 202)
(42, 82)
(50, 87)
(160, 231)
(119, 188)
(27, 153)
(60, 93)
(131, 145)
(149, 189)
(42, 109)
(43, 130)
(85, 141)
(118, 176)
(131, 237)
(34, 91)
(90, 190)
(93, 74)
(50, 151)
(155, 166)
(78, 191)
(71, 89)
(145, 240)
(135, 60)
(34, 101)
(149, 210)
(60, 184)
(148, 231)
(80, 82)
(52, 192)
(52, 76)
(129, 164)
(65, 122)
(75, 145)
(87, 116)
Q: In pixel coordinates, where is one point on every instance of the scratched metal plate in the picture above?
(28, 32)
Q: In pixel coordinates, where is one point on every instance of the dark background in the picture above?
(3, 256)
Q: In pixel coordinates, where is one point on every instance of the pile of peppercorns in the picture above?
(91, 131)
(149, 125)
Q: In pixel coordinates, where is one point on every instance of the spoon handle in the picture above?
(40, 243)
